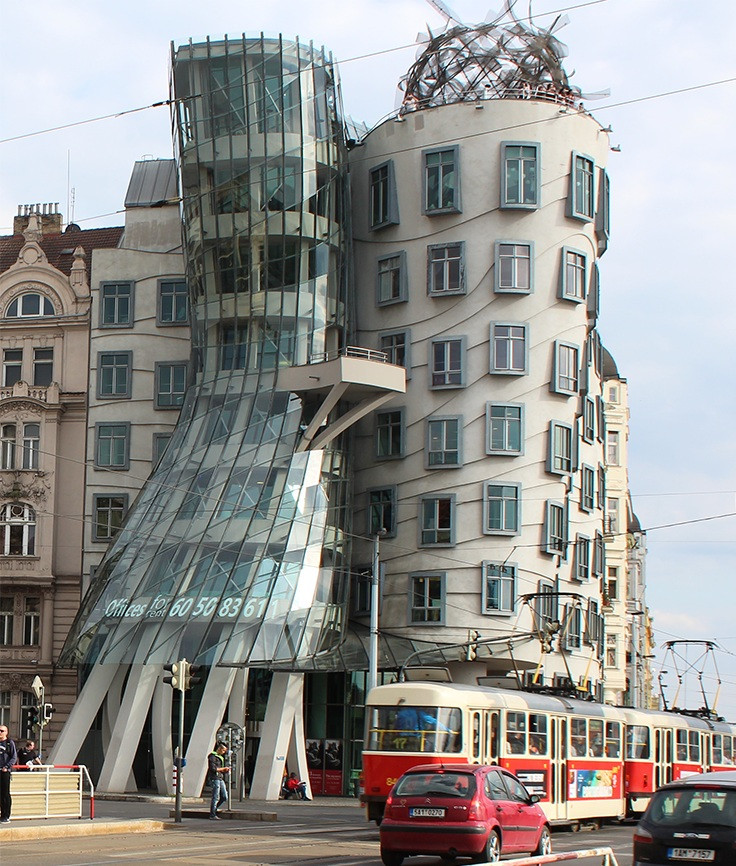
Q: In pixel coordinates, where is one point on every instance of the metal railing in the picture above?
(52, 791)
(350, 352)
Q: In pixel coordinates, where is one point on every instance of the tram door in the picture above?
(662, 756)
(557, 780)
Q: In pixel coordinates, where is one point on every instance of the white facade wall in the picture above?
(478, 135)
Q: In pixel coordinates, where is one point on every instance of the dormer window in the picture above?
(30, 306)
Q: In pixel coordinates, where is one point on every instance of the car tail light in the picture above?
(475, 809)
(644, 837)
(388, 806)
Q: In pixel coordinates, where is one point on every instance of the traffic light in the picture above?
(471, 650)
(34, 716)
(192, 676)
(179, 675)
(48, 711)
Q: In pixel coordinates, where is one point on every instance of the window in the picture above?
(396, 346)
(6, 620)
(109, 512)
(437, 520)
(443, 442)
(114, 374)
(17, 530)
(171, 384)
(611, 523)
(519, 175)
(545, 604)
(611, 651)
(566, 369)
(513, 265)
(587, 488)
(582, 558)
(234, 345)
(160, 441)
(111, 446)
(447, 367)
(594, 292)
(441, 181)
(555, 529)
(7, 446)
(508, 348)
(384, 204)
(599, 555)
(29, 306)
(31, 445)
(445, 269)
(504, 428)
(613, 393)
(501, 508)
(611, 588)
(31, 621)
(573, 282)
(560, 448)
(391, 279)
(43, 367)
(603, 213)
(588, 419)
(116, 305)
(390, 433)
(601, 498)
(499, 582)
(12, 366)
(427, 597)
(173, 302)
(574, 634)
(382, 511)
(582, 187)
(613, 455)
(282, 187)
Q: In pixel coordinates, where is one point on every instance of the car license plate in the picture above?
(423, 812)
(692, 854)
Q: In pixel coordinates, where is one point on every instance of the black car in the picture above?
(692, 820)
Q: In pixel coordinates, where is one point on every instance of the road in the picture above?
(304, 834)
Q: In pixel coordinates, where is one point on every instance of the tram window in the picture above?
(694, 750)
(476, 735)
(727, 753)
(516, 733)
(717, 749)
(637, 741)
(579, 737)
(613, 739)
(414, 729)
(595, 738)
(681, 749)
(537, 734)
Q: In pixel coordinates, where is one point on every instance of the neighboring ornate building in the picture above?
(44, 338)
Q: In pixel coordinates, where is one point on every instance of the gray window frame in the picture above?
(128, 366)
(588, 419)
(158, 366)
(131, 306)
(446, 341)
(556, 384)
(443, 419)
(156, 439)
(505, 159)
(587, 492)
(165, 323)
(501, 371)
(603, 211)
(554, 456)
(436, 497)
(455, 207)
(392, 201)
(125, 465)
(584, 210)
(582, 567)
(504, 452)
(515, 289)
(565, 282)
(390, 530)
(430, 575)
(549, 506)
(511, 579)
(403, 279)
(487, 485)
(406, 333)
(432, 290)
(400, 410)
(96, 497)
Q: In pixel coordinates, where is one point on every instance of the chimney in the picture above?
(48, 215)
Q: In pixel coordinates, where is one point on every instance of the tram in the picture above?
(586, 761)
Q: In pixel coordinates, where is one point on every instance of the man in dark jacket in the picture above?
(217, 770)
(8, 759)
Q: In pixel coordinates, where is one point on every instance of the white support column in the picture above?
(209, 717)
(163, 757)
(128, 726)
(285, 702)
(82, 715)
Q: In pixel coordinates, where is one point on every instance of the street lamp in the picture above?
(375, 595)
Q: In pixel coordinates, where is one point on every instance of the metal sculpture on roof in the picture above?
(506, 58)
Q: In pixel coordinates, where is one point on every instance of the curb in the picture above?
(82, 827)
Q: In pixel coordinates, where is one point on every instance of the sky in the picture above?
(665, 282)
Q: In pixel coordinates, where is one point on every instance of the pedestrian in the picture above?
(28, 756)
(217, 769)
(294, 785)
(8, 759)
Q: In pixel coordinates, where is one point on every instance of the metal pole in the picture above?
(180, 760)
(373, 646)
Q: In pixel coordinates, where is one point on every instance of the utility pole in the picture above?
(375, 596)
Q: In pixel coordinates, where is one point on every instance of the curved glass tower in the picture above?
(235, 551)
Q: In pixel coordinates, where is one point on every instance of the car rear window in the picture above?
(446, 784)
(690, 807)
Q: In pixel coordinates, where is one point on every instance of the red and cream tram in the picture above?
(586, 761)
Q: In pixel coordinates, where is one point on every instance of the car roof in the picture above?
(725, 778)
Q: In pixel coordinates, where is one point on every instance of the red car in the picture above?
(461, 810)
